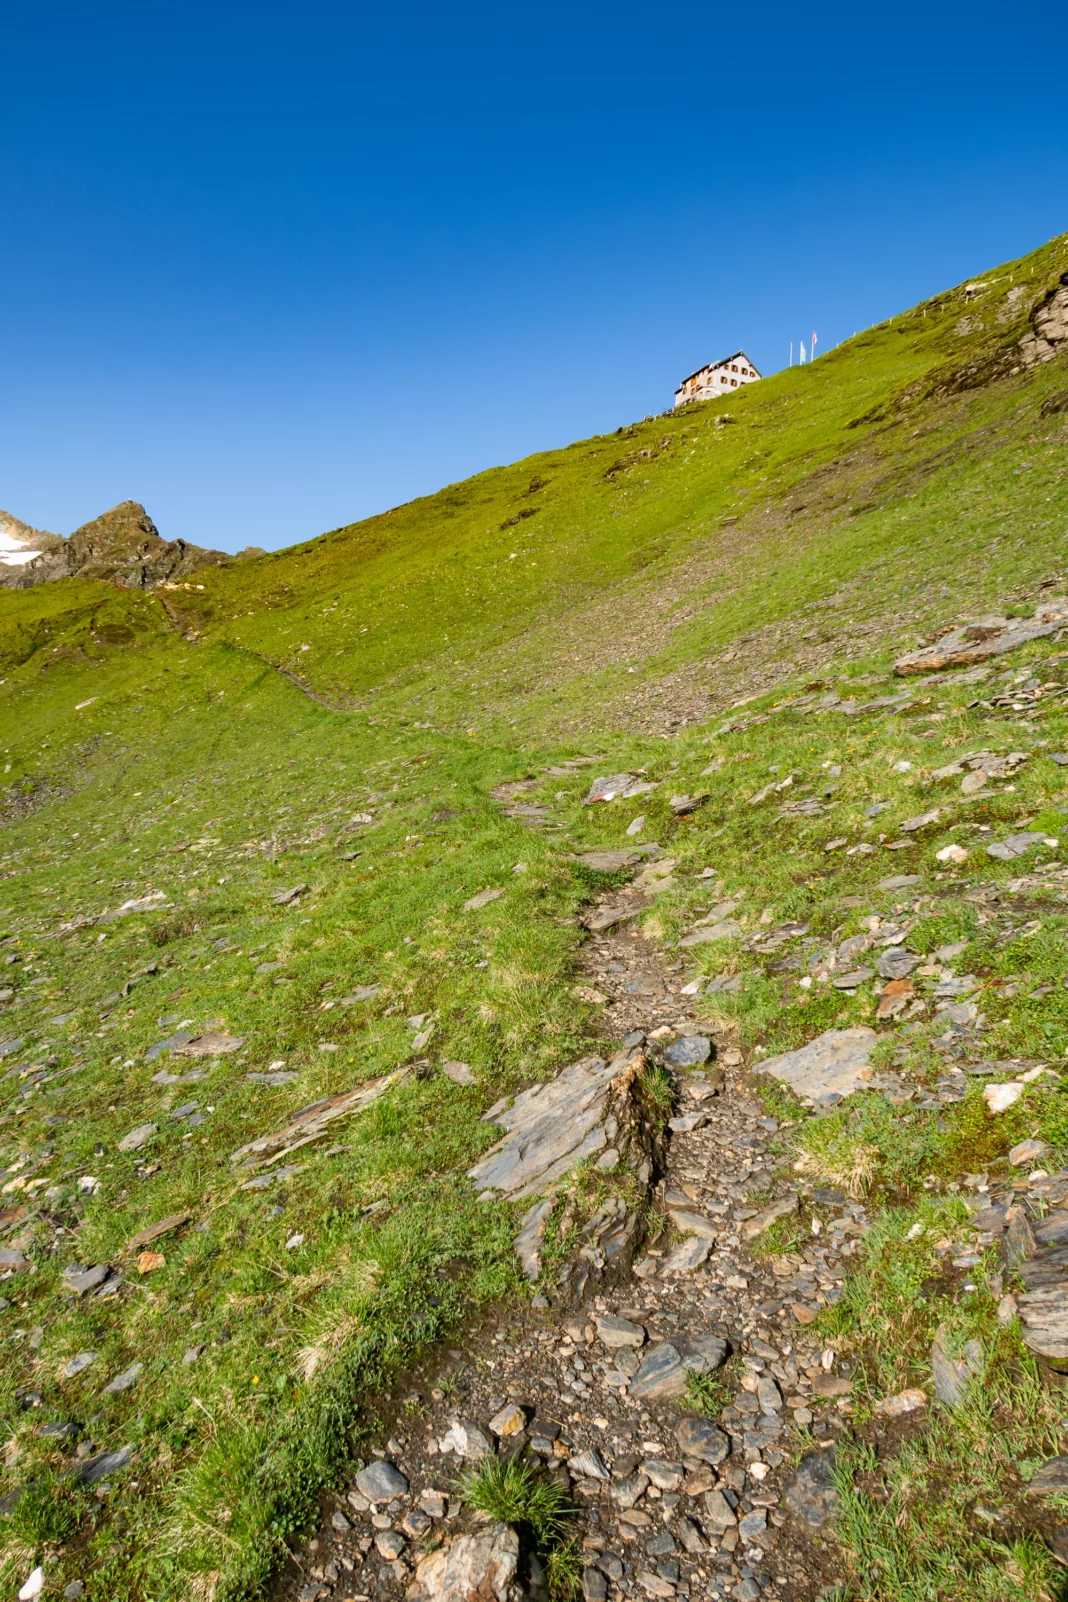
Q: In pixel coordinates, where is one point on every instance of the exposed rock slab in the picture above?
(834, 1064)
(989, 636)
(311, 1123)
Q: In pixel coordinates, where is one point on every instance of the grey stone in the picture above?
(618, 1332)
(390, 1544)
(783, 1207)
(699, 1439)
(662, 1375)
(687, 1256)
(665, 1476)
(381, 1481)
(1051, 1479)
(835, 1063)
(589, 1465)
(691, 1538)
(726, 929)
(628, 1492)
(897, 963)
(989, 636)
(283, 898)
(138, 1137)
(482, 899)
(529, 1241)
(339, 1522)
(851, 979)
(746, 1591)
(1014, 845)
(617, 787)
(468, 1442)
(952, 1375)
(124, 1381)
(98, 1468)
(812, 1493)
(609, 861)
(481, 1566)
(753, 1526)
(73, 1590)
(719, 1515)
(691, 1223)
(688, 1052)
(900, 881)
(78, 1364)
(594, 1586)
(549, 1129)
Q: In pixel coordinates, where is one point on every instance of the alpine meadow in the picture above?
(534, 1026)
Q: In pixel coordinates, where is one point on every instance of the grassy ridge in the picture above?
(155, 749)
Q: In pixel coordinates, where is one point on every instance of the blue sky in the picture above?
(270, 268)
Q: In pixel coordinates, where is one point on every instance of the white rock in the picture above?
(481, 1566)
(34, 1586)
(1000, 1097)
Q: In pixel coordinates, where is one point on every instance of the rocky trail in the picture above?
(595, 1386)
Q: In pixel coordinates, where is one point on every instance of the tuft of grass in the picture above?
(514, 1492)
(706, 1395)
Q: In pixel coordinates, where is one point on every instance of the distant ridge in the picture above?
(122, 546)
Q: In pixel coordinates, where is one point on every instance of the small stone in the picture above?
(691, 1539)
(381, 1481)
(138, 1137)
(629, 1491)
(78, 1364)
(509, 1421)
(1028, 1152)
(339, 1522)
(665, 1476)
(434, 1503)
(33, 1586)
(753, 1526)
(719, 1515)
(701, 1440)
(687, 1256)
(594, 1585)
(999, 1098)
(469, 1442)
(125, 1380)
(391, 1544)
(689, 1051)
(73, 1590)
(909, 1401)
(482, 899)
(746, 1591)
(459, 1072)
(653, 1585)
(589, 1466)
(481, 1565)
(951, 1375)
(416, 1523)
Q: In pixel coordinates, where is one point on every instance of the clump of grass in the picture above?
(514, 1492)
(706, 1395)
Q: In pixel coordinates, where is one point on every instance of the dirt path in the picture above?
(665, 1511)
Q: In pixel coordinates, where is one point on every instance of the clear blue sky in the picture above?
(270, 268)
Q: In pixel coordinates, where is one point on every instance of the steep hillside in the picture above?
(250, 819)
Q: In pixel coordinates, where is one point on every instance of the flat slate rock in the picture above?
(1014, 845)
(609, 861)
(952, 1375)
(482, 899)
(549, 1129)
(699, 1439)
(214, 1043)
(897, 963)
(900, 881)
(987, 637)
(834, 1064)
(98, 1468)
(726, 929)
(138, 1137)
(812, 1493)
(662, 1375)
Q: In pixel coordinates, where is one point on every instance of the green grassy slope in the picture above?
(151, 747)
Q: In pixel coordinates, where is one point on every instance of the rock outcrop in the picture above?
(123, 547)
